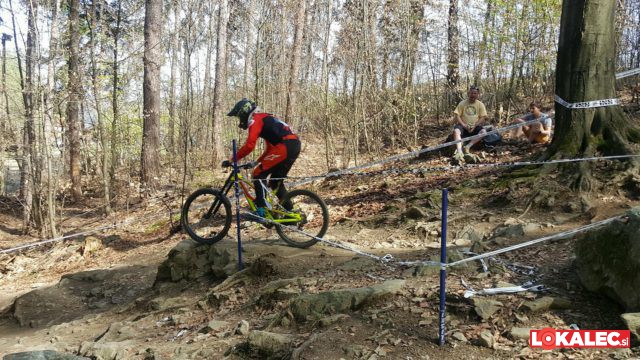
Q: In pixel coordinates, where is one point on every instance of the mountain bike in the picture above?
(300, 217)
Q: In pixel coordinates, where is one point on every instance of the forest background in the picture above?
(360, 78)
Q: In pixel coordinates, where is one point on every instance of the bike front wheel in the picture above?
(307, 220)
(206, 216)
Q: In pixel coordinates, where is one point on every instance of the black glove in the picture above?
(226, 164)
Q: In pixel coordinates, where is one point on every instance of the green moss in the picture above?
(156, 226)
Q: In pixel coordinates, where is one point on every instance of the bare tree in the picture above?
(151, 93)
(49, 103)
(175, 45)
(220, 80)
(296, 53)
(74, 90)
(115, 33)
(95, 29)
(453, 55)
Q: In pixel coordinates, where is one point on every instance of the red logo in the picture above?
(549, 339)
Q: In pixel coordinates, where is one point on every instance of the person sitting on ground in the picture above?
(282, 150)
(538, 132)
(469, 118)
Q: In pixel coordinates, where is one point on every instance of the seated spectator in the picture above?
(538, 132)
(469, 117)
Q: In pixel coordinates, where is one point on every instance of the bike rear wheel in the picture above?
(206, 216)
(315, 219)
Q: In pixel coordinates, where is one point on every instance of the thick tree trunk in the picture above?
(586, 72)
(220, 80)
(296, 54)
(73, 102)
(151, 93)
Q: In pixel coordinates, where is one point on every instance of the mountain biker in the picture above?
(282, 149)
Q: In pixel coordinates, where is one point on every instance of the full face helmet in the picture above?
(242, 110)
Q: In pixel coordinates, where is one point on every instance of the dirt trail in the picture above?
(106, 302)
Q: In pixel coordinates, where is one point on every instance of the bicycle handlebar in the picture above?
(249, 165)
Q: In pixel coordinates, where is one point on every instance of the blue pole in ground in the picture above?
(443, 269)
(235, 176)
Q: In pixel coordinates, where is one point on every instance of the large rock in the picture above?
(189, 260)
(485, 308)
(270, 345)
(91, 246)
(520, 333)
(470, 233)
(81, 293)
(608, 260)
(415, 213)
(279, 290)
(107, 350)
(633, 323)
(340, 301)
(42, 355)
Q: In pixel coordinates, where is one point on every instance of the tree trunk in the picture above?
(453, 55)
(207, 88)
(483, 53)
(31, 171)
(49, 106)
(23, 162)
(94, 31)
(296, 54)
(585, 72)
(247, 69)
(151, 94)
(172, 80)
(220, 80)
(327, 126)
(4, 120)
(114, 97)
(73, 102)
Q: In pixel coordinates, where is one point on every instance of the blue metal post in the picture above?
(235, 175)
(443, 269)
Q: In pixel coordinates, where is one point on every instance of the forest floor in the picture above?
(105, 302)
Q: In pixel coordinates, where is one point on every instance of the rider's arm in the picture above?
(250, 144)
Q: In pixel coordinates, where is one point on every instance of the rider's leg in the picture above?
(258, 180)
(276, 155)
(281, 170)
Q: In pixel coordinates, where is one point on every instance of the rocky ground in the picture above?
(143, 292)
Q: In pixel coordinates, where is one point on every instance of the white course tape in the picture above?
(627, 73)
(587, 104)
(562, 235)
(415, 153)
(384, 259)
(70, 236)
(39, 243)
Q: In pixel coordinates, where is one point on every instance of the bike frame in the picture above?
(282, 216)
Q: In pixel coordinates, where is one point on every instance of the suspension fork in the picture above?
(216, 203)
